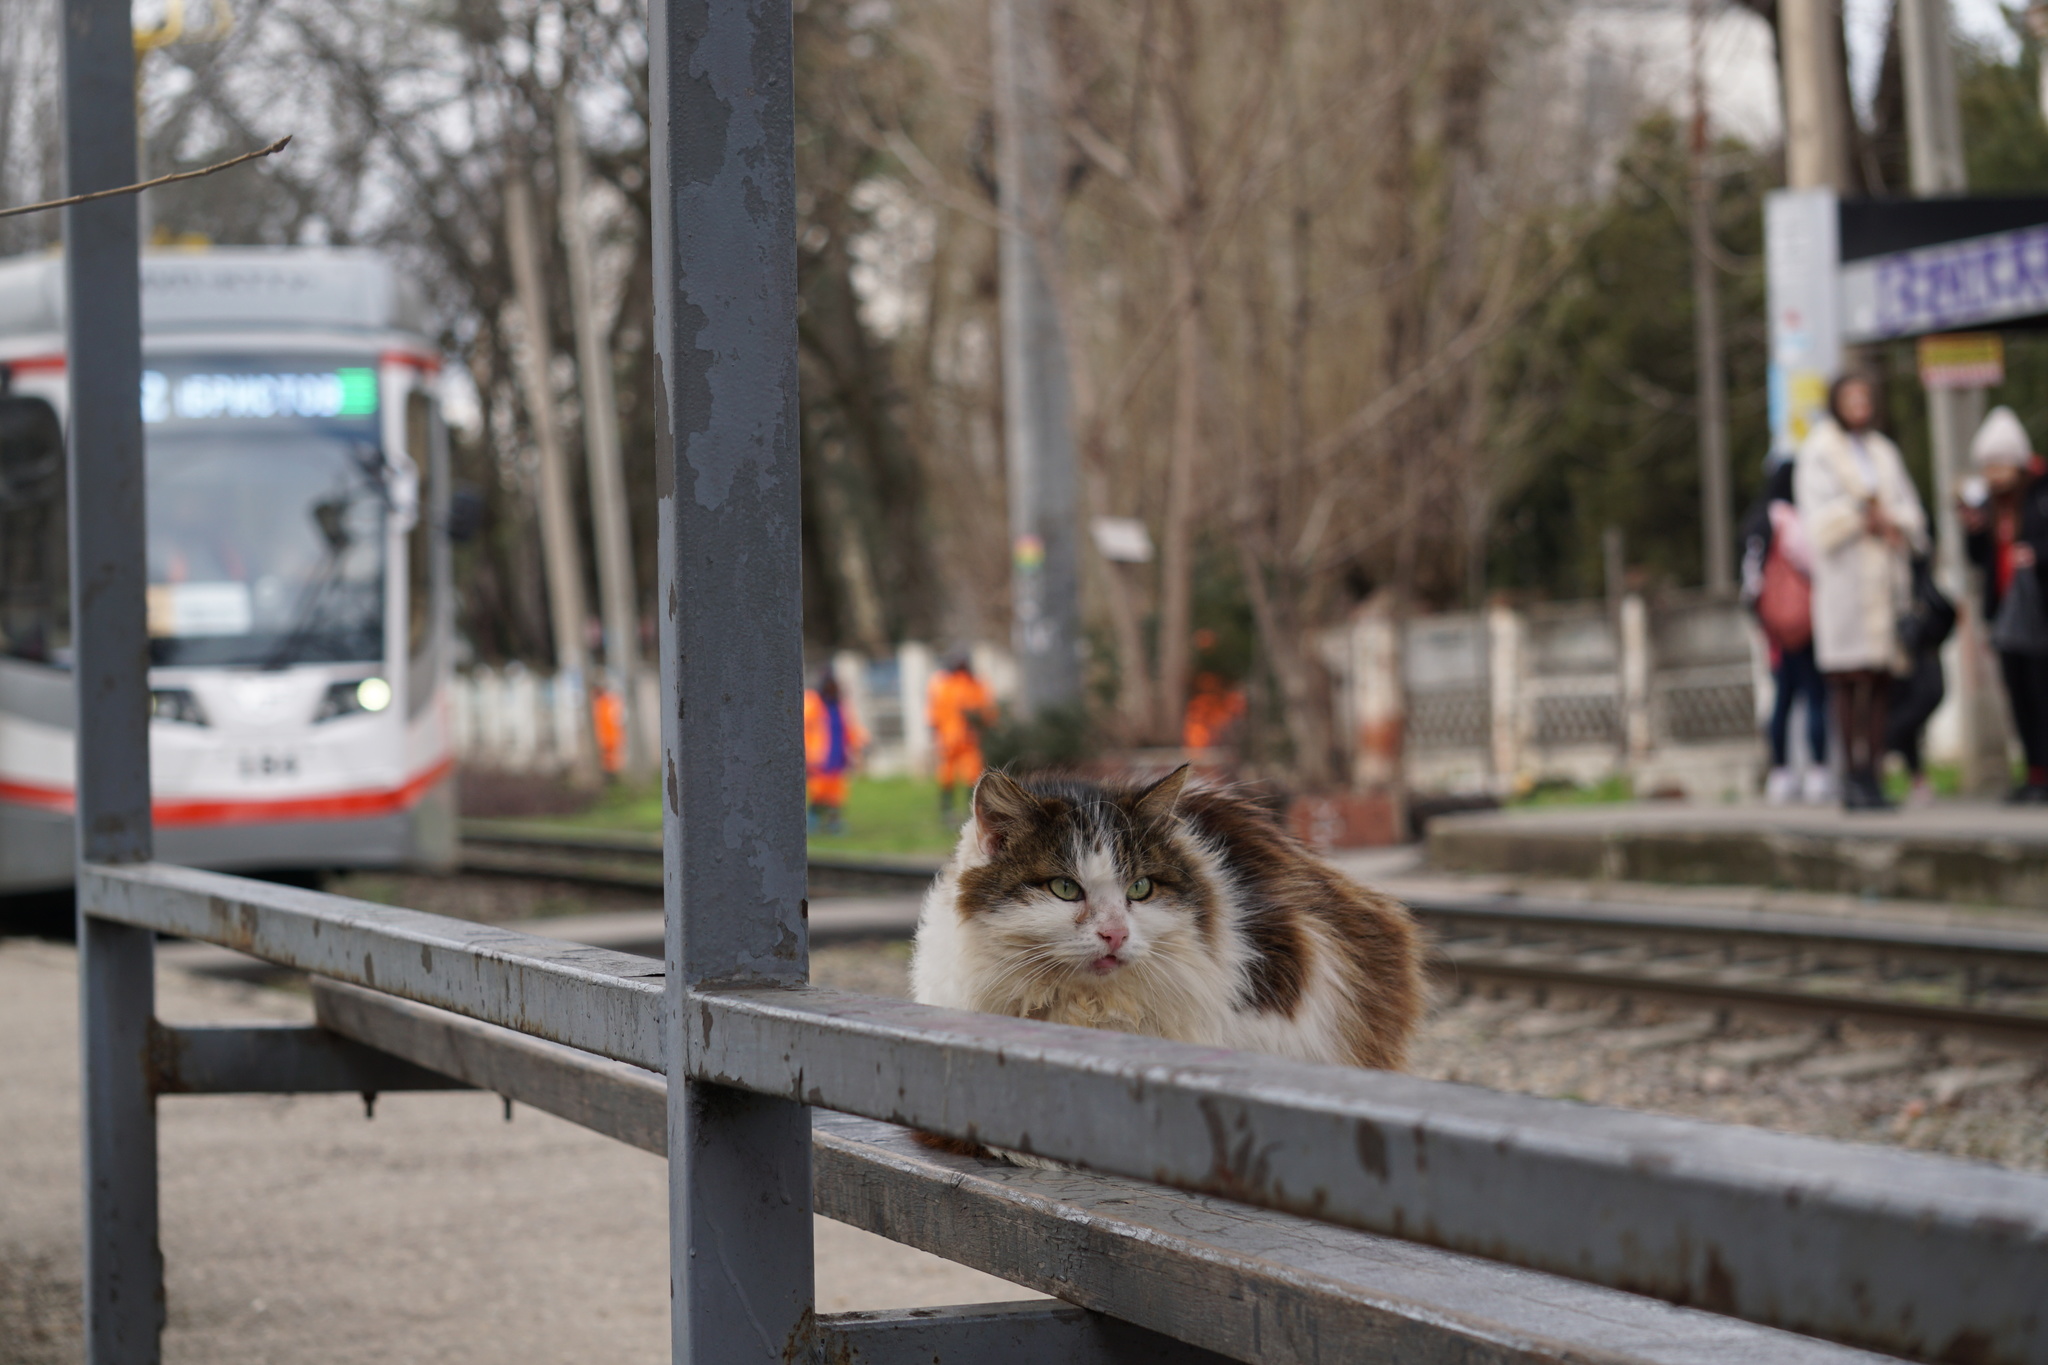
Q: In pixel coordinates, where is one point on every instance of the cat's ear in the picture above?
(1157, 801)
(1001, 808)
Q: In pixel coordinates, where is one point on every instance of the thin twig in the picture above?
(276, 146)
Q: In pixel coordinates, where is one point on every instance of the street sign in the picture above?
(1962, 360)
(1801, 257)
(1997, 277)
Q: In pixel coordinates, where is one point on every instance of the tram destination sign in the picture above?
(343, 391)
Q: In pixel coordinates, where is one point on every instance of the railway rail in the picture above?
(1981, 980)
(631, 859)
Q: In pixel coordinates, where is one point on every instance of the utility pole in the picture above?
(1037, 421)
(617, 598)
(561, 556)
(2037, 24)
(1706, 306)
(1816, 142)
(1934, 140)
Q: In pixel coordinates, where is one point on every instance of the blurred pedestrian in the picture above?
(1777, 582)
(608, 721)
(958, 706)
(1864, 519)
(1915, 698)
(2005, 513)
(1214, 709)
(833, 741)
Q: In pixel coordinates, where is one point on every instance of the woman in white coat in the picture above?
(1864, 520)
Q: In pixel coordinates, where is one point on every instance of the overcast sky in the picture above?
(1651, 37)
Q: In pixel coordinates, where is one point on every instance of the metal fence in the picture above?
(512, 719)
(1243, 1205)
(1664, 692)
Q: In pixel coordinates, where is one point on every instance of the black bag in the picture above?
(2022, 624)
(1930, 618)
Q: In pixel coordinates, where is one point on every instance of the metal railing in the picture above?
(718, 1055)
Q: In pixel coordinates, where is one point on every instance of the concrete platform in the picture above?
(1959, 853)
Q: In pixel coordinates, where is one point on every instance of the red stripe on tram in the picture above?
(354, 805)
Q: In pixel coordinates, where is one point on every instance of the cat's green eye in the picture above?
(1066, 888)
(1140, 889)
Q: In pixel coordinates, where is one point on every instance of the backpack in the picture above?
(1784, 606)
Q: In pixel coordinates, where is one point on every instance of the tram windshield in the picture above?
(266, 548)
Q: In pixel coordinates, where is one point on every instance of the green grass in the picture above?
(1946, 778)
(1559, 792)
(884, 815)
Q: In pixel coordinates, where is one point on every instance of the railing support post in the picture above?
(124, 1296)
(731, 654)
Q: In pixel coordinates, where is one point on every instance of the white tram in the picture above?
(299, 583)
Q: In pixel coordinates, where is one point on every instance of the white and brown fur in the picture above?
(1246, 941)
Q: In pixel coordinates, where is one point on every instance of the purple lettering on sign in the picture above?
(1960, 284)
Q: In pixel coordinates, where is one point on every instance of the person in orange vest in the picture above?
(1214, 708)
(958, 705)
(608, 719)
(833, 741)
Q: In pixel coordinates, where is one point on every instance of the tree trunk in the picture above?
(1280, 636)
(1176, 557)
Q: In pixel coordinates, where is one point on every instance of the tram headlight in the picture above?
(177, 705)
(358, 696)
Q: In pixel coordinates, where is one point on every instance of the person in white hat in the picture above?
(2005, 513)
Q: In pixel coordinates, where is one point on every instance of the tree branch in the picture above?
(276, 146)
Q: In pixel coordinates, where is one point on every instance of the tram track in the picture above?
(1986, 981)
(631, 860)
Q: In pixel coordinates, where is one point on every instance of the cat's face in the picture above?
(1074, 883)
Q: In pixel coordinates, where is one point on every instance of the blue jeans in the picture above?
(1798, 676)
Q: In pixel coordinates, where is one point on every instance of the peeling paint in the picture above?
(1372, 1149)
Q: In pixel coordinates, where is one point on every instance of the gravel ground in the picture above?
(1949, 1094)
(1600, 1050)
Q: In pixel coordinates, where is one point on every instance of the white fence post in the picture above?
(1635, 681)
(997, 667)
(851, 672)
(913, 678)
(1506, 662)
(1376, 674)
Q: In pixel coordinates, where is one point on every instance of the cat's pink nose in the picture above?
(1113, 936)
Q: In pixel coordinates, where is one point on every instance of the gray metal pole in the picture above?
(1037, 407)
(618, 602)
(1816, 142)
(124, 1297)
(1715, 512)
(723, 152)
(1934, 138)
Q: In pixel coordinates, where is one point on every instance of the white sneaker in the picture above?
(1781, 788)
(1820, 788)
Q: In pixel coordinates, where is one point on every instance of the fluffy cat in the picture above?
(1176, 909)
